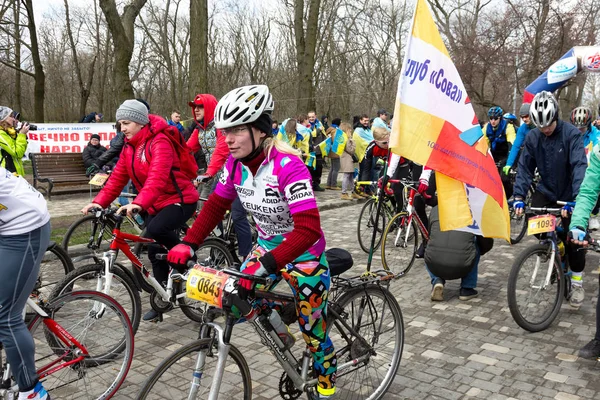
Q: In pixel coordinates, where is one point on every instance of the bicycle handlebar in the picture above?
(258, 279)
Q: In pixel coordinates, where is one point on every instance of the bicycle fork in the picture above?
(546, 281)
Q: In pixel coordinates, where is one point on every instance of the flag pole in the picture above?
(380, 198)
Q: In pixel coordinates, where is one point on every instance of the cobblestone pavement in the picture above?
(453, 349)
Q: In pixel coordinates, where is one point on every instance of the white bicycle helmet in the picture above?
(544, 109)
(581, 117)
(243, 106)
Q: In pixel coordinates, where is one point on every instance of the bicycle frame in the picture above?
(296, 371)
(65, 337)
(413, 214)
(119, 244)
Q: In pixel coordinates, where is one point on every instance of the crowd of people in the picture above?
(253, 164)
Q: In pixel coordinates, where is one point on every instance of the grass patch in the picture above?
(60, 225)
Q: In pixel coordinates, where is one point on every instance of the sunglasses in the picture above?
(494, 118)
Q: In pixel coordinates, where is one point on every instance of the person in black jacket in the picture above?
(453, 255)
(555, 148)
(93, 152)
(91, 117)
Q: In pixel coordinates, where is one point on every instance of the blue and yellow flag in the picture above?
(339, 142)
(311, 160)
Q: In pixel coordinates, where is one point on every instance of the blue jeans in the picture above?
(21, 257)
(469, 281)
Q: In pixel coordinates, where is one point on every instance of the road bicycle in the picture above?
(83, 347)
(364, 322)
(401, 236)
(367, 217)
(108, 276)
(540, 277)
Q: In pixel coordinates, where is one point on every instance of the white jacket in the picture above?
(22, 208)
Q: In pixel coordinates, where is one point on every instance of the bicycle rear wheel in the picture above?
(366, 225)
(92, 277)
(373, 314)
(398, 251)
(100, 324)
(172, 378)
(533, 306)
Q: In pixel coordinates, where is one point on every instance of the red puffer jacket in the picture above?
(149, 160)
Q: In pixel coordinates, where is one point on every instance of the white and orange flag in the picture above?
(435, 125)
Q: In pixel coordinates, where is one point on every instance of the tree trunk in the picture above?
(198, 73)
(18, 98)
(39, 76)
(122, 30)
(306, 43)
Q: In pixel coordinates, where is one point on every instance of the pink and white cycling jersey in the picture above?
(282, 187)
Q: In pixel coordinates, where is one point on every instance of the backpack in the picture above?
(187, 162)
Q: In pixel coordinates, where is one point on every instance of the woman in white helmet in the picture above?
(274, 185)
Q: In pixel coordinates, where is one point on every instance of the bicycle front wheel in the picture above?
(533, 303)
(399, 244)
(173, 377)
(212, 253)
(101, 325)
(369, 328)
(366, 225)
(92, 277)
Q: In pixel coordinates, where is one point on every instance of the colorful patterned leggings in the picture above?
(310, 282)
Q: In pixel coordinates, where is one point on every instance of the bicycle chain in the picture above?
(287, 390)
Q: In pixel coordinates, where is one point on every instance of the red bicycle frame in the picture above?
(412, 213)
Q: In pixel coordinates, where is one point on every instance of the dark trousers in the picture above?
(163, 227)
(576, 258)
(316, 172)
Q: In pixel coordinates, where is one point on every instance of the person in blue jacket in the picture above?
(555, 148)
(523, 130)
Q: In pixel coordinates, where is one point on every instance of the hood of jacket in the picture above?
(210, 103)
(156, 124)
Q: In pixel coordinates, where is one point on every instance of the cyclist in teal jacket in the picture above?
(586, 200)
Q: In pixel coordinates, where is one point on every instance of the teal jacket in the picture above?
(588, 191)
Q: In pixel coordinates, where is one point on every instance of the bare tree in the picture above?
(306, 43)
(122, 31)
(198, 69)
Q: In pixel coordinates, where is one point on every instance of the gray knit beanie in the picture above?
(134, 111)
(4, 112)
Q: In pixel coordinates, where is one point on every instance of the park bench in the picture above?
(59, 170)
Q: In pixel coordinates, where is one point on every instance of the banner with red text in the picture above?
(67, 138)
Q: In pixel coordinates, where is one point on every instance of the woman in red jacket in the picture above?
(150, 160)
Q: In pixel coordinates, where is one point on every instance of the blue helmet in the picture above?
(495, 112)
(510, 117)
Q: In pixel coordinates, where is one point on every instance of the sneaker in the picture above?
(577, 296)
(335, 188)
(594, 223)
(591, 350)
(437, 293)
(365, 195)
(345, 196)
(152, 315)
(318, 188)
(467, 294)
(356, 196)
(37, 393)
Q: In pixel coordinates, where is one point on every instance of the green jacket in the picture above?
(588, 191)
(12, 152)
